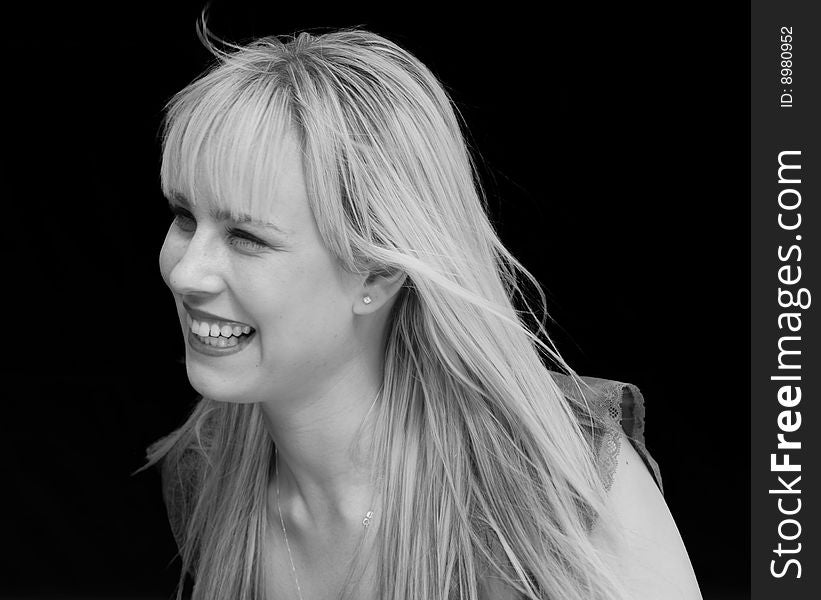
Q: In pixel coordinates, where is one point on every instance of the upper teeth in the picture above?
(216, 329)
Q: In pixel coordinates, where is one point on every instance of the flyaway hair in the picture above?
(484, 468)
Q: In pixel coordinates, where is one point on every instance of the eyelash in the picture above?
(236, 234)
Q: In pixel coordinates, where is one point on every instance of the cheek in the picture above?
(306, 301)
(327, 309)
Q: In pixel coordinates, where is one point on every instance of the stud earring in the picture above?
(366, 299)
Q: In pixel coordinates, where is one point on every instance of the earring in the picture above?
(366, 299)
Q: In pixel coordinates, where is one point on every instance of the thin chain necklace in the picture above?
(365, 522)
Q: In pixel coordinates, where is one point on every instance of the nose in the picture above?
(198, 270)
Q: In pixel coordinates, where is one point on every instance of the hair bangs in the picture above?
(223, 143)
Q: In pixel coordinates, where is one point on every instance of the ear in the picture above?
(378, 289)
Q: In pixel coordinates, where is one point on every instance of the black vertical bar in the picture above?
(785, 270)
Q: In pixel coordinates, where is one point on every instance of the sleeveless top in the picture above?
(615, 407)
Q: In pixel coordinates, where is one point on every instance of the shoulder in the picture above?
(650, 553)
(651, 556)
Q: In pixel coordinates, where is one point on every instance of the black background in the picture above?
(613, 143)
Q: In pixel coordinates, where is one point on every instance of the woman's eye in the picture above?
(183, 219)
(236, 237)
(244, 241)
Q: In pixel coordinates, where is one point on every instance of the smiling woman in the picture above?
(377, 419)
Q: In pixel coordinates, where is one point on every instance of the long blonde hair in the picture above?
(484, 467)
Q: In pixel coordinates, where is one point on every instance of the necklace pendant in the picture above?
(367, 520)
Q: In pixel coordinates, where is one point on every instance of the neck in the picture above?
(324, 466)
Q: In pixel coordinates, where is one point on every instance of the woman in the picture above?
(377, 420)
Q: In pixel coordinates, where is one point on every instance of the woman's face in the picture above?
(282, 282)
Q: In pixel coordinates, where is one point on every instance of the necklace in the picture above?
(365, 522)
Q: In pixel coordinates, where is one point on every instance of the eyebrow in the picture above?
(219, 214)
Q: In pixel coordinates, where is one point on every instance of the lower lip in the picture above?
(203, 348)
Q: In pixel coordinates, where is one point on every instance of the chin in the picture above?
(213, 387)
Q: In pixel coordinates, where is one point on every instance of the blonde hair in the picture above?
(484, 468)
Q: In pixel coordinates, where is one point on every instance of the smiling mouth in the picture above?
(214, 331)
(218, 345)
(221, 341)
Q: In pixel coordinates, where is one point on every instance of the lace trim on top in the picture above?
(616, 407)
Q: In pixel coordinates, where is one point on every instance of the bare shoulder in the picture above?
(652, 557)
